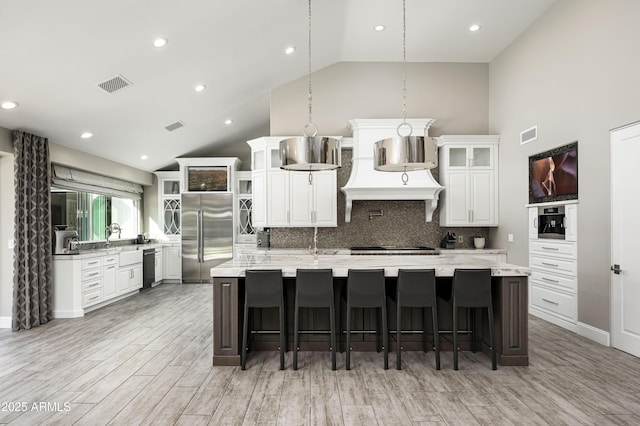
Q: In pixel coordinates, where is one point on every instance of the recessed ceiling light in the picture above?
(9, 105)
(200, 87)
(289, 50)
(86, 135)
(379, 28)
(228, 121)
(160, 42)
(144, 157)
(473, 28)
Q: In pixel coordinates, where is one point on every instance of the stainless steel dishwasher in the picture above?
(148, 267)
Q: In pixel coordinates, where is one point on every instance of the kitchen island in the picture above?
(509, 303)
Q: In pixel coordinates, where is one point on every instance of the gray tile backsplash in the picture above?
(402, 224)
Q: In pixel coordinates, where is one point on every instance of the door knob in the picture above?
(616, 269)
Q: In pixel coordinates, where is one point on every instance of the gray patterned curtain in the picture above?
(32, 288)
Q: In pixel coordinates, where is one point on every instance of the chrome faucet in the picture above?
(112, 229)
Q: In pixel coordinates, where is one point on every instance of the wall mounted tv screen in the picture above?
(553, 174)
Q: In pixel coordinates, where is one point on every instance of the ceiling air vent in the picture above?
(531, 134)
(114, 84)
(174, 126)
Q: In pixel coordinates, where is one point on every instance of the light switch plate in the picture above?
(510, 238)
(460, 239)
(10, 244)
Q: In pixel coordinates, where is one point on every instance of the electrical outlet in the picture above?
(510, 238)
(10, 244)
(460, 239)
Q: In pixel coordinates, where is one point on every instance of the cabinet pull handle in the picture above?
(550, 264)
(535, 222)
(550, 280)
(111, 267)
(94, 297)
(550, 301)
(93, 274)
(550, 248)
(92, 263)
(93, 285)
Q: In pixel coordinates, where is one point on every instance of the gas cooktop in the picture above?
(394, 250)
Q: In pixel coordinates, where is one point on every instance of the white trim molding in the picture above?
(5, 322)
(595, 334)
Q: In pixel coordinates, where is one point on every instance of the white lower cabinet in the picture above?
(109, 274)
(553, 284)
(172, 263)
(159, 266)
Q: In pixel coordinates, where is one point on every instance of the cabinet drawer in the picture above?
(551, 264)
(93, 284)
(559, 304)
(555, 248)
(91, 274)
(92, 262)
(561, 282)
(111, 259)
(92, 297)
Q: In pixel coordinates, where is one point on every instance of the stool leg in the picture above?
(472, 314)
(398, 334)
(436, 335)
(378, 345)
(283, 336)
(295, 336)
(423, 313)
(245, 333)
(492, 337)
(455, 338)
(385, 336)
(332, 322)
(348, 356)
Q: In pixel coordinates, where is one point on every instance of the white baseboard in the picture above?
(5, 322)
(595, 334)
(533, 310)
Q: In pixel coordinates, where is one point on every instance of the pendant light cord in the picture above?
(404, 61)
(310, 125)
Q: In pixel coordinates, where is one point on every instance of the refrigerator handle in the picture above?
(199, 236)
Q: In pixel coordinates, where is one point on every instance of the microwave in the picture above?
(551, 223)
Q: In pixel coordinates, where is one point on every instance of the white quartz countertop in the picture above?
(85, 254)
(340, 264)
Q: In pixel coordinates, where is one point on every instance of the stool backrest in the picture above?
(365, 288)
(416, 287)
(472, 287)
(314, 287)
(263, 288)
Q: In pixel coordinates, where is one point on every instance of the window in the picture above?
(91, 213)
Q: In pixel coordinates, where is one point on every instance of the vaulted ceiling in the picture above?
(54, 55)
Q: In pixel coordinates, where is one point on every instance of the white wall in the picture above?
(455, 94)
(574, 73)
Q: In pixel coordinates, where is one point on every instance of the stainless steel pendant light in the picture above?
(404, 152)
(310, 152)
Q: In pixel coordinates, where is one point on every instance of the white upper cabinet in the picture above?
(289, 198)
(469, 172)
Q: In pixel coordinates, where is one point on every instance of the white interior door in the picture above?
(625, 235)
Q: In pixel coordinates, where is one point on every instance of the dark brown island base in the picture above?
(509, 290)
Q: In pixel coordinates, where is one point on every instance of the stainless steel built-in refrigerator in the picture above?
(207, 234)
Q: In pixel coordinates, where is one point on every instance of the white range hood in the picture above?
(365, 183)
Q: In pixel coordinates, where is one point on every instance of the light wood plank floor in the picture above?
(147, 360)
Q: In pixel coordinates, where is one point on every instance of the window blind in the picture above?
(79, 180)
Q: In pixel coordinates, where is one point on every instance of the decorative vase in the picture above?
(478, 242)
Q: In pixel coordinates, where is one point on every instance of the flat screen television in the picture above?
(553, 174)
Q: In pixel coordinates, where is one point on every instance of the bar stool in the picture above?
(365, 289)
(263, 289)
(472, 289)
(314, 289)
(417, 289)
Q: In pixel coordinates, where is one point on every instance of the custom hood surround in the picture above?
(366, 183)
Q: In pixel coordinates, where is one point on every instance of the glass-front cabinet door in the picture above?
(169, 204)
(245, 233)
